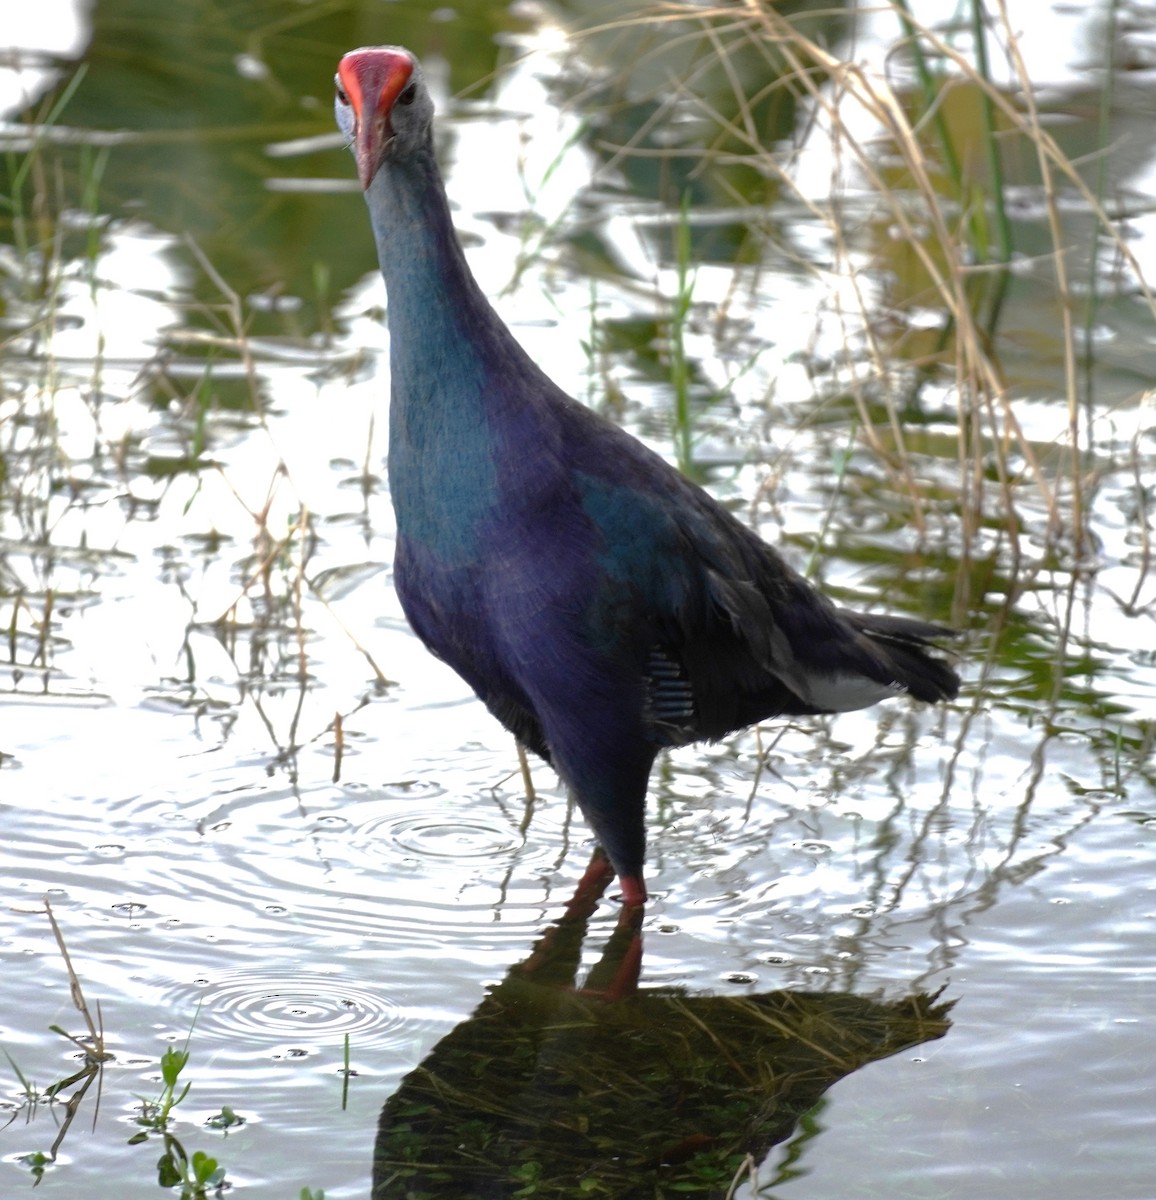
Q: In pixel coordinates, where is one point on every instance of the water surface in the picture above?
(195, 584)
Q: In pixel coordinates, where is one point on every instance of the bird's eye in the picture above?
(408, 95)
(342, 98)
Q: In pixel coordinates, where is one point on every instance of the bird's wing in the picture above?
(750, 638)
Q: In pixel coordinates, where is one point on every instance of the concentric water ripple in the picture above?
(443, 834)
(299, 1011)
(471, 832)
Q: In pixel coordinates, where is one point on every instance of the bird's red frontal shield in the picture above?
(371, 79)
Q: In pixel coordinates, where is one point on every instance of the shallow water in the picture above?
(195, 581)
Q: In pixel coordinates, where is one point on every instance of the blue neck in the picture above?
(449, 358)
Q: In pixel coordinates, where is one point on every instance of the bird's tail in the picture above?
(903, 644)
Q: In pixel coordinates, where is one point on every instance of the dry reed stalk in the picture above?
(841, 98)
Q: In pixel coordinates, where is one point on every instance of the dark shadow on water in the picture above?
(554, 1089)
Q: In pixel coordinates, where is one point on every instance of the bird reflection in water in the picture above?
(555, 1089)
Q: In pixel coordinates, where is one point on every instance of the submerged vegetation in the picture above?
(896, 307)
(198, 1175)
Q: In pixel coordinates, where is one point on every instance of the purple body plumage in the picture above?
(600, 604)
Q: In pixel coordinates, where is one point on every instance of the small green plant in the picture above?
(155, 1113)
(37, 1162)
(346, 1072)
(225, 1119)
(194, 1174)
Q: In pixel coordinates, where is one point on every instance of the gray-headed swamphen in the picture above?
(600, 604)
